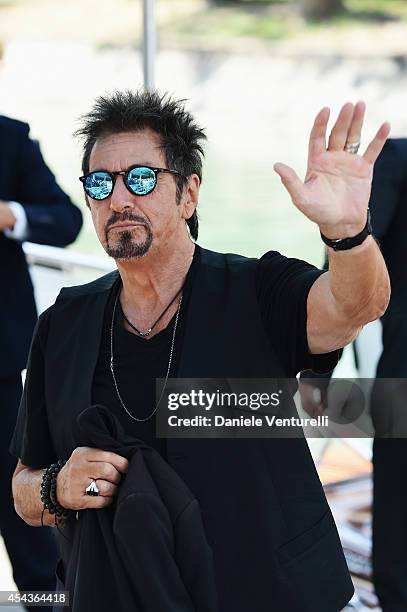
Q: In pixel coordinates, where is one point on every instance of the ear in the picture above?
(190, 196)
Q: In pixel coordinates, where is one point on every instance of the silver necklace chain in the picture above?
(150, 329)
(116, 386)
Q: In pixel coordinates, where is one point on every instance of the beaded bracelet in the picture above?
(48, 492)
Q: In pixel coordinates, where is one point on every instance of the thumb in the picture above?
(291, 182)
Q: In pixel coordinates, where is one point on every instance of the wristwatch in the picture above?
(344, 244)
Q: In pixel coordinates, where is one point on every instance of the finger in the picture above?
(291, 182)
(339, 132)
(95, 502)
(106, 489)
(377, 144)
(87, 453)
(317, 140)
(106, 471)
(120, 463)
(355, 129)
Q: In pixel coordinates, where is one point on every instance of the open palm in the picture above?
(336, 190)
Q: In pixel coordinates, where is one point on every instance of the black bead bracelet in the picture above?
(49, 492)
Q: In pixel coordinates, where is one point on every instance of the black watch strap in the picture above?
(344, 244)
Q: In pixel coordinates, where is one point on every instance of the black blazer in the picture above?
(274, 541)
(52, 219)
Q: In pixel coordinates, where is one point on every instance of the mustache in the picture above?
(126, 215)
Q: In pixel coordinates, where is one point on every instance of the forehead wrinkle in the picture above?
(119, 139)
(123, 150)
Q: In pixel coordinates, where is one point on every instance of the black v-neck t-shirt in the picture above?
(138, 362)
(282, 286)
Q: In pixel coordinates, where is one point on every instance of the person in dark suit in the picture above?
(32, 207)
(388, 207)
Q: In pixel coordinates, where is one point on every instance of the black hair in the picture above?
(125, 111)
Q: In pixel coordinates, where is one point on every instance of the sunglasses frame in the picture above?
(125, 174)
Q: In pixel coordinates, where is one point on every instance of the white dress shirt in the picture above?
(20, 229)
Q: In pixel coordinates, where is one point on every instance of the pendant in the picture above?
(145, 334)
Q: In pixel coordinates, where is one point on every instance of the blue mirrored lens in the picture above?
(141, 180)
(98, 185)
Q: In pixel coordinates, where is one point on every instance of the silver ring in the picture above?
(92, 489)
(352, 147)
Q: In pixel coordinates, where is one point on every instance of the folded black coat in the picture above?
(148, 550)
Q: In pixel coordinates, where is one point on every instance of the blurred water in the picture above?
(257, 110)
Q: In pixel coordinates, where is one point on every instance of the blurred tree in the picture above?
(242, 2)
(320, 9)
(225, 2)
(317, 9)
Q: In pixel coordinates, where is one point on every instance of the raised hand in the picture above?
(336, 190)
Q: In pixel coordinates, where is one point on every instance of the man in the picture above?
(32, 207)
(389, 455)
(176, 309)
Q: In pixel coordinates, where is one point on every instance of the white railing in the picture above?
(63, 259)
(52, 268)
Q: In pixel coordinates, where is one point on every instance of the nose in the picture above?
(121, 198)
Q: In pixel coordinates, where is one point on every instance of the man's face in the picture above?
(128, 225)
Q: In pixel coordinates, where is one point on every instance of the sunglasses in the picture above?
(139, 180)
